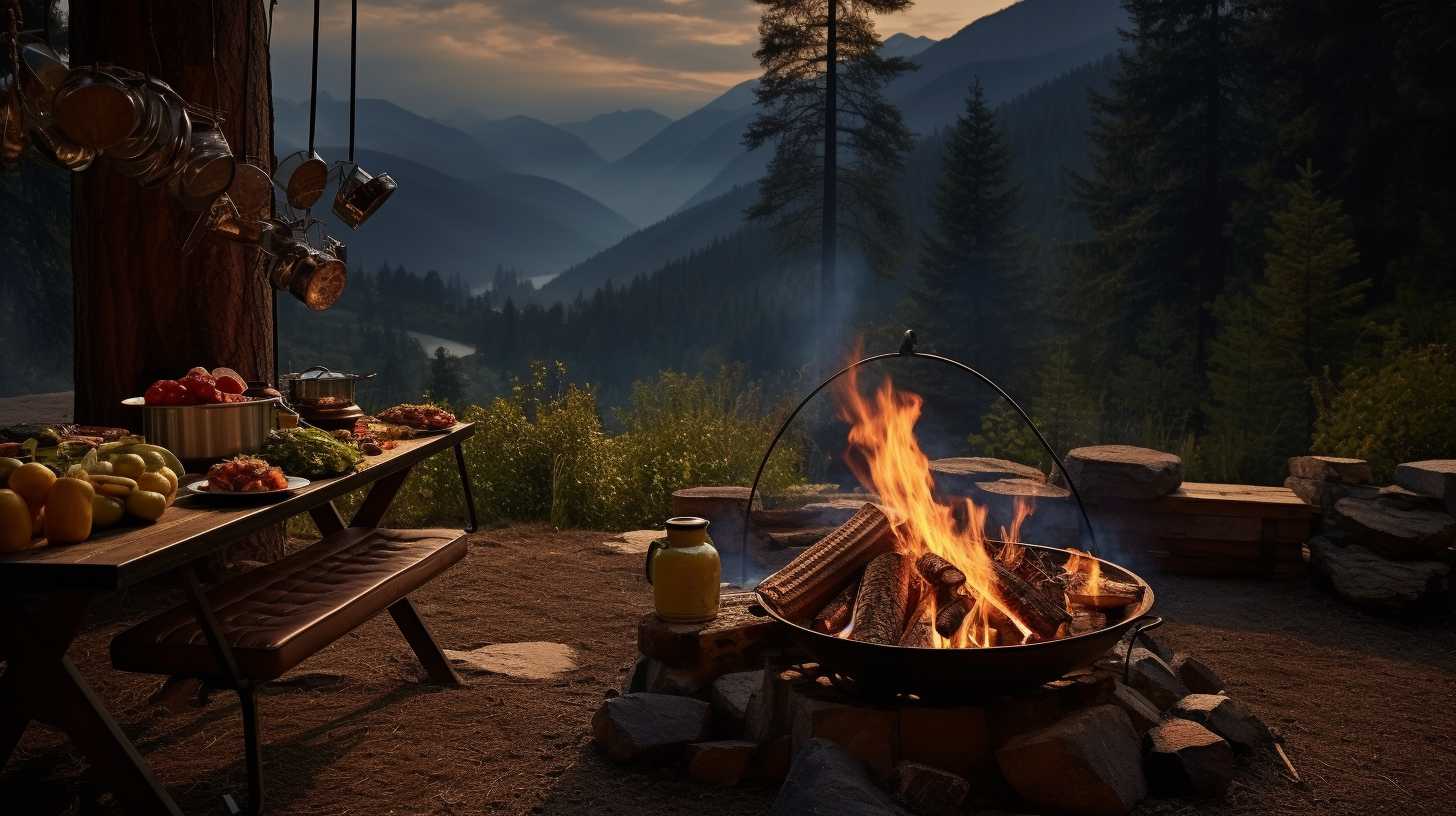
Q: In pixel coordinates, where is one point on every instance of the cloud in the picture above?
(551, 58)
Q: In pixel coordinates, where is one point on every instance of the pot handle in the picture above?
(1139, 626)
(652, 549)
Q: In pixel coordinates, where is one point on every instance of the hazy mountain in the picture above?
(388, 128)
(614, 135)
(521, 144)
(647, 250)
(904, 45)
(437, 221)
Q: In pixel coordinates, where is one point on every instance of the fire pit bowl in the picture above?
(879, 671)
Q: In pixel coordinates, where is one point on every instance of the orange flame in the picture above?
(886, 458)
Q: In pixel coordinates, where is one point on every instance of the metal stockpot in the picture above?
(208, 433)
(319, 383)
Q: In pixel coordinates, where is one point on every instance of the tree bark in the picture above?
(143, 311)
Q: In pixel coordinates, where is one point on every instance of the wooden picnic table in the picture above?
(44, 594)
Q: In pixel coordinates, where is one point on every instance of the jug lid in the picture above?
(687, 523)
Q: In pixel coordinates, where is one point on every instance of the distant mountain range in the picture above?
(614, 135)
(522, 144)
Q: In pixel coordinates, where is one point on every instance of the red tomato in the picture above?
(167, 392)
(200, 386)
(198, 370)
(229, 384)
(157, 393)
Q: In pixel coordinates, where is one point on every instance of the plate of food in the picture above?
(245, 476)
(423, 419)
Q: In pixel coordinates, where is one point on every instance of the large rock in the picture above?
(1330, 469)
(1379, 584)
(959, 475)
(955, 739)
(1183, 757)
(534, 660)
(1198, 676)
(1089, 764)
(1400, 534)
(1227, 718)
(1150, 675)
(731, 695)
(1323, 495)
(866, 732)
(1433, 477)
(1123, 472)
(928, 791)
(1140, 711)
(634, 726)
(722, 762)
(826, 781)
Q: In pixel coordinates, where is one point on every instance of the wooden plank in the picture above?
(196, 526)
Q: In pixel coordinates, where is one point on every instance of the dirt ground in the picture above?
(1365, 704)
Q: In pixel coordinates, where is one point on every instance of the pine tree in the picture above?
(821, 88)
(1293, 325)
(446, 383)
(966, 295)
(1169, 140)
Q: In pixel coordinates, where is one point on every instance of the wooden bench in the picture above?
(280, 614)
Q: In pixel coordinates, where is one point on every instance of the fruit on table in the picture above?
(106, 511)
(119, 486)
(7, 466)
(68, 511)
(130, 465)
(33, 481)
(15, 528)
(171, 477)
(142, 449)
(153, 460)
(100, 467)
(155, 482)
(146, 505)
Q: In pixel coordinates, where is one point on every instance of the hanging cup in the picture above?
(303, 177)
(315, 278)
(360, 194)
(208, 169)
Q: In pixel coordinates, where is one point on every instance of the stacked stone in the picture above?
(1385, 548)
(732, 705)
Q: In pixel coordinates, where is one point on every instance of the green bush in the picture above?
(542, 453)
(1397, 411)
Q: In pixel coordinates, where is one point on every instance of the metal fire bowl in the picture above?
(877, 671)
(203, 434)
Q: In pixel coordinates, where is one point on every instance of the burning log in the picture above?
(838, 612)
(884, 599)
(1105, 593)
(938, 571)
(952, 613)
(1086, 620)
(782, 539)
(808, 582)
(1040, 612)
(920, 630)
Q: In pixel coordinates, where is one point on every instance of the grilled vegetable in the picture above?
(310, 453)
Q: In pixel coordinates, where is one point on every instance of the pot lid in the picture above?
(322, 373)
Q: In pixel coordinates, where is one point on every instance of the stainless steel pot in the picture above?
(319, 383)
(208, 433)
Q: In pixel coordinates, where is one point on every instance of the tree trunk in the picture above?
(144, 312)
(830, 239)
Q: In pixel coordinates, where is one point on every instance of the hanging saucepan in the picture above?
(42, 72)
(58, 150)
(318, 384)
(165, 130)
(361, 194)
(303, 177)
(209, 168)
(317, 279)
(252, 191)
(95, 108)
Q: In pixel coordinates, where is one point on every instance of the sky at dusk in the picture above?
(554, 59)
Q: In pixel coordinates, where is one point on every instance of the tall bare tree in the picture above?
(821, 89)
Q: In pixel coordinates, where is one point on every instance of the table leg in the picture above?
(41, 683)
(327, 518)
(376, 502)
(417, 634)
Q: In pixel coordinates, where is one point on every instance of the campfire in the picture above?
(920, 570)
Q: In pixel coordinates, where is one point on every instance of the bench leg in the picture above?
(249, 700)
(437, 666)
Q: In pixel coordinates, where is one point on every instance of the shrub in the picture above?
(1392, 412)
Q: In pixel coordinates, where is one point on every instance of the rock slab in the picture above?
(958, 475)
(1433, 477)
(722, 762)
(1150, 675)
(1225, 717)
(634, 726)
(533, 660)
(1410, 535)
(730, 697)
(1088, 764)
(1140, 711)
(1183, 757)
(1123, 472)
(1199, 677)
(825, 780)
(1330, 469)
(928, 791)
(1375, 583)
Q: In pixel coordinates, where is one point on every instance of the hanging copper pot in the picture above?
(303, 177)
(361, 194)
(252, 191)
(315, 278)
(95, 108)
(42, 72)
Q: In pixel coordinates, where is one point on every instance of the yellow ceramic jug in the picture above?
(684, 571)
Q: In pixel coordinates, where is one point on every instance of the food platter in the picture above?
(199, 488)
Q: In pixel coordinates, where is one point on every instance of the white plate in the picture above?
(199, 488)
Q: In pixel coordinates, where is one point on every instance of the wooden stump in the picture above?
(734, 641)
